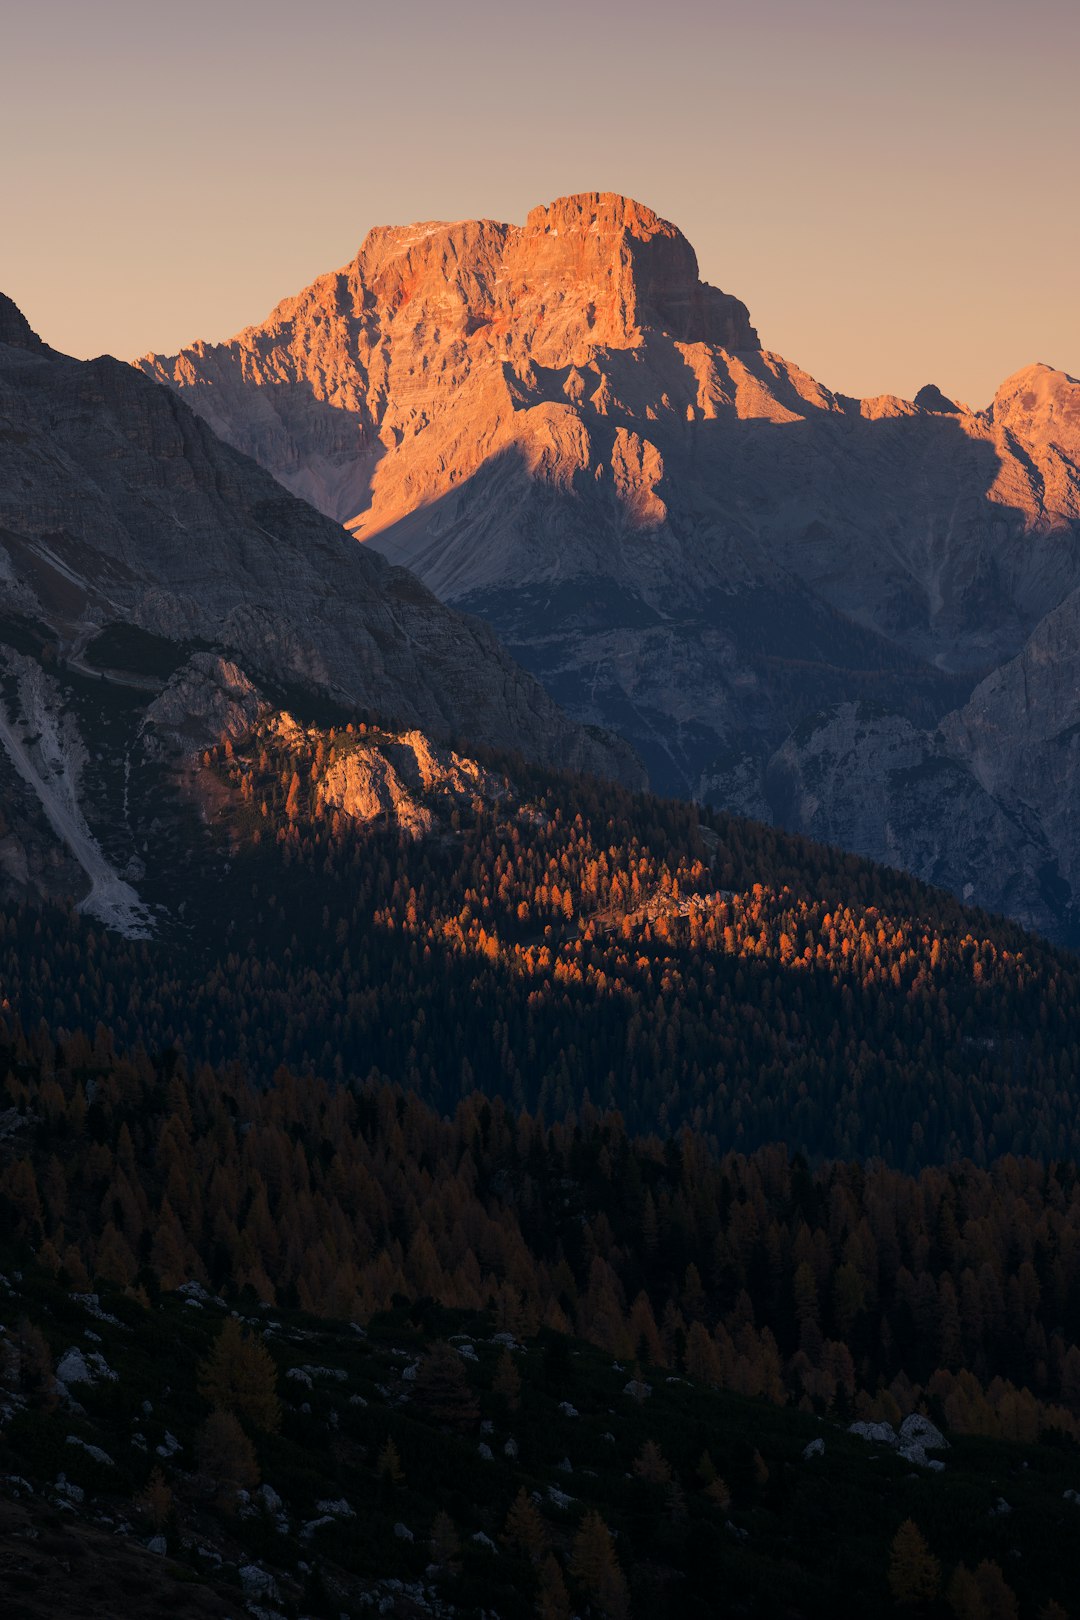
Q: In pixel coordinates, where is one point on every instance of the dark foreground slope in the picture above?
(426, 1047)
(426, 1432)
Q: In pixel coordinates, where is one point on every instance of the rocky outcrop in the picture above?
(15, 330)
(401, 779)
(917, 1436)
(930, 398)
(207, 699)
(982, 804)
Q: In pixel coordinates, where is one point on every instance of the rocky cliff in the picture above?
(142, 555)
(560, 427)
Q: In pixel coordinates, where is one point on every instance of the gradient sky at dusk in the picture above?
(891, 187)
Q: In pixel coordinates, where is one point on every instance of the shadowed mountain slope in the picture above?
(161, 589)
(118, 504)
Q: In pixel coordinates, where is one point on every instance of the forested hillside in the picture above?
(424, 1043)
(744, 1313)
(551, 939)
(852, 1288)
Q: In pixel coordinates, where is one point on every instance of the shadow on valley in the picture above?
(326, 454)
(785, 577)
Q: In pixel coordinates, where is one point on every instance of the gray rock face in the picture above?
(688, 539)
(917, 1436)
(920, 800)
(72, 1368)
(119, 507)
(883, 1434)
(140, 555)
(1019, 735)
(207, 699)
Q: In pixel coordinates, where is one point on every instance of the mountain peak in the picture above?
(627, 269)
(15, 329)
(1040, 403)
(587, 271)
(931, 398)
(598, 211)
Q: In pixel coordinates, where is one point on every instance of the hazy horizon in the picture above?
(890, 190)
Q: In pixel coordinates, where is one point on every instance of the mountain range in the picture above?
(853, 618)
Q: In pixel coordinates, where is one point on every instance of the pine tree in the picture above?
(155, 1501)
(442, 1389)
(914, 1572)
(651, 1465)
(445, 1543)
(553, 1602)
(227, 1457)
(292, 801)
(996, 1595)
(595, 1567)
(524, 1531)
(239, 1376)
(702, 1356)
(34, 1363)
(963, 1595)
(719, 1493)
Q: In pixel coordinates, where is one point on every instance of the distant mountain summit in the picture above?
(424, 349)
(930, 398)
(560, 427)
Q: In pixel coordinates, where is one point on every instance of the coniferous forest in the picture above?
(705, 1200)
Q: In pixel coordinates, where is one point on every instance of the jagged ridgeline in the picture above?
(357, 904)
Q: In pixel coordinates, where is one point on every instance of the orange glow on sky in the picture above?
(890, 187)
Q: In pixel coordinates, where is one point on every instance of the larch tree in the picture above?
(239, 1376)
(507, 1381)
(525, 1531)
(651, 1465)
(595, 1566)
(914, 1572)
(443, 1391)
(388, 1465)
(227, 1458)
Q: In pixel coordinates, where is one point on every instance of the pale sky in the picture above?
(892, 186)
